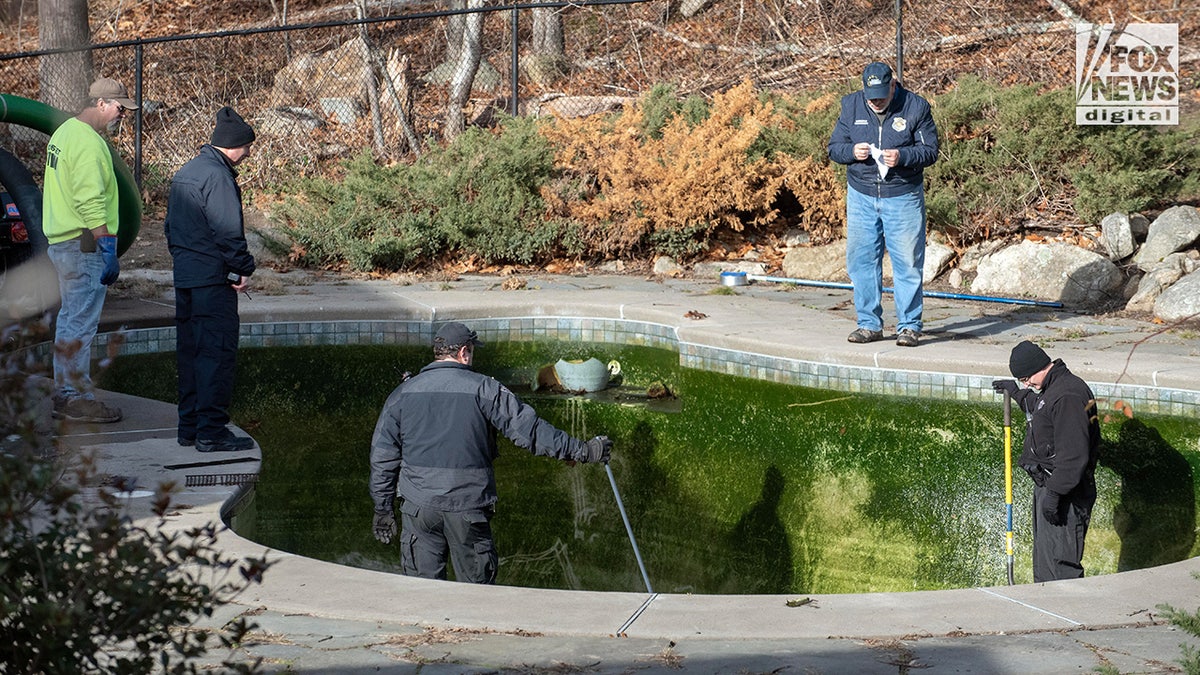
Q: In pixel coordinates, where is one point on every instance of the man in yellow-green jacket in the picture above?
(79, 218)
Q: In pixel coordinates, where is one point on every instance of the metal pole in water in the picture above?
(621, 507)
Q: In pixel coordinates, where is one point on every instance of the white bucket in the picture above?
(589, 375)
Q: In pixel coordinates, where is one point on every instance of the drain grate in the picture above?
(221, 479)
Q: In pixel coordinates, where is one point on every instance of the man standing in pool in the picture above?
(1062, 434)
(434, 445)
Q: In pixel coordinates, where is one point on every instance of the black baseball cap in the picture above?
(455, 333)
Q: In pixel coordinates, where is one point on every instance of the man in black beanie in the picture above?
(207, 239)
(1062, 437)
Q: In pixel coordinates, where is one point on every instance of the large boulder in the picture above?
(576, 106)
(1118, 236)
(712, 269)
(1054, 272)
(1175, 229)
(937, 257)
(1158, 279)
(828, 263)
(819, 263)
(334, 82)
(971, 257)
(1181, 300)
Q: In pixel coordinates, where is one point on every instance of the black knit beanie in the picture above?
(231, 130)
(1027, 359)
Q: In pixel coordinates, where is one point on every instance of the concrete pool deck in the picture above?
(316, 617)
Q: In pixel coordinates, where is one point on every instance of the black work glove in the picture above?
(1035, 472)
(384, 526)
(1002, 386)
(597, 449)
(1050, 509)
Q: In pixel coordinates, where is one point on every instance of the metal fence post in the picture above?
(515, 64)
(137, 118)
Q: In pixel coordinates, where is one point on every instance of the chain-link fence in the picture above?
(337, 86)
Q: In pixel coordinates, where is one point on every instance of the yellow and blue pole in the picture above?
(1008, 498)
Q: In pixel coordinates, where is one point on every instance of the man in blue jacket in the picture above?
(434, 445)
(207, 239)
(886, 137)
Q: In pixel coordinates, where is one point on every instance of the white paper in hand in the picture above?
(877, 155)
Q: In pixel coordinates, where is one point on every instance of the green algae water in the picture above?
(736, 486)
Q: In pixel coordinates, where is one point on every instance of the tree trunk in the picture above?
(470, 52)
(548, 62)
(548, 32)
(454, 30)
(65, 78)
(360, 9)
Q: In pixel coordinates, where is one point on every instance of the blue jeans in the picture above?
(82, 297)
(899, 224)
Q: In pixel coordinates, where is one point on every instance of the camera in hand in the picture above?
(233, 278)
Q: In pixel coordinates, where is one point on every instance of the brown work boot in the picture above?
(907, 337)
(863, 335)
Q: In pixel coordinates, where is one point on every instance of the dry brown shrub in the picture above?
(814, 186)
(699, 178)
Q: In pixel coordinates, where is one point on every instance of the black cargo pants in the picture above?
(427, 536)
(1058, 549)
(206, 342)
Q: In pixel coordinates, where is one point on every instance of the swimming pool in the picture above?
(745, 512)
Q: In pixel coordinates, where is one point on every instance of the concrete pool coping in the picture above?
(808, 324)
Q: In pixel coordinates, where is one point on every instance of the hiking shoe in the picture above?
(907, 337)
(185, 442)
(79, 409)
(229, 443)
(863, 335)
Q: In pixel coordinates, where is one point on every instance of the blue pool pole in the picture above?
(888, 289)
(621, 507)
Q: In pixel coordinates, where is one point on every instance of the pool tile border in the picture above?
(845, 378)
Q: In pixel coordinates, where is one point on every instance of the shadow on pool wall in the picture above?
(1156, 515)
(752, 487)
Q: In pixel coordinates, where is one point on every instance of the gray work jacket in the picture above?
(435, 440)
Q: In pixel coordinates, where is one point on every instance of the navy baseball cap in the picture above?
(455, 333)
(877, 80)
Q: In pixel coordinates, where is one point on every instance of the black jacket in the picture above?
(435, 440)
(1062, 434)
(205, 232)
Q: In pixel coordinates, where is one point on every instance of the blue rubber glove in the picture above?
(107, 246)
